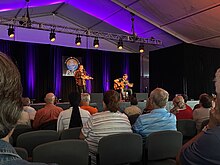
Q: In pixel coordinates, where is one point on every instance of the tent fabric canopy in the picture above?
(172, 22)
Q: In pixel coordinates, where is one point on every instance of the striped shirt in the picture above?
(157, 120)
(63, 120)
(103, 124)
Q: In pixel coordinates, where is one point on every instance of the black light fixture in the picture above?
(52, 35)
(11, 31)
(78, 40)
(120, 44)
(141, 48)
(96, 42)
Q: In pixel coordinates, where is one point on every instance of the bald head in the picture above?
(49, 98)
(159, 98)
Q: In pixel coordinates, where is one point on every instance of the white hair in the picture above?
(85, 97)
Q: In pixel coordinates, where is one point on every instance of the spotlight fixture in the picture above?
(78, 40)
(11, 31)
(120, 44)
(52, 35)
(141, 48)
(96, 42)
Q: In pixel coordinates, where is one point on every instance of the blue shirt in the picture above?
(204, 151)
(8, 156)
(157, 120)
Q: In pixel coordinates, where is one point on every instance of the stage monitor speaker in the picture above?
(141, 96)
(96, 97)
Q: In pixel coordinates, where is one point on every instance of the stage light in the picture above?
(141, 48)
(78, 40)
(11, 31)
(120, 44)
(52, 35)
(96, 42)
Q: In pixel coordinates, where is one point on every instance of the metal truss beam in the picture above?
(76, 31)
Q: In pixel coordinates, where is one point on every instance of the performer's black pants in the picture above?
(81, 89)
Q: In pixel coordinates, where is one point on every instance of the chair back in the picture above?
(50, 125)
(163, 145)
(63, 152)
(20, 129)
(22, 152)
(187, 128)
(30, 140)
(204, 123)
(133, 118)
(120, 149)
(71, 133)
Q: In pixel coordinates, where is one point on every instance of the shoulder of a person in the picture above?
(66, 112)
(84, 111)
(59, 107)
(93, 107)
(32, 108)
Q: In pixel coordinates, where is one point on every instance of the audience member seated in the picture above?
(24, 119)
(159, 119)
(48, 113)
(27, 108)
(196, 106)
(10, 110)
(148, 107)
(204, 148)
(74, 116)
(133, 109)
(110, 121)
(84, 104)
(180, 109)
(185, 97)
(202, 113)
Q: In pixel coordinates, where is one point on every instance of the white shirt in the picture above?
(30, 110)
(63, 120)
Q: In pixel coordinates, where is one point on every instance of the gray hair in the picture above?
(85, 97)
(159, 97)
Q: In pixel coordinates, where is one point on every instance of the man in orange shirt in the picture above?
(85, 99)
(48, 113)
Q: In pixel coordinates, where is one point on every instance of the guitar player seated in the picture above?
(123, 86)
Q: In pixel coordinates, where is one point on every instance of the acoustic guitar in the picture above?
(121, 85)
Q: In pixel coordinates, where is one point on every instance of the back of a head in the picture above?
(111, 99)
(196, 106)
(205, 100)
(26, 101)
(74, 99)
(185, 97)
(179, 101)
(75, 119)
(10, 95)
(133, 100)
(159, 97)
(85, 97)
(50, 98)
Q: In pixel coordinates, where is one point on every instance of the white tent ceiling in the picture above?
(171, 21)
